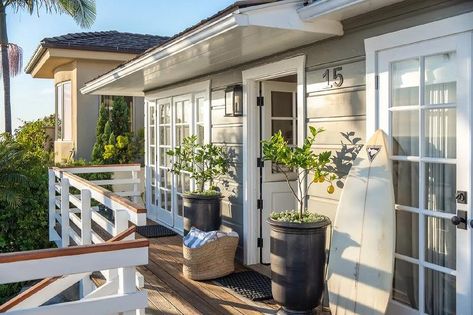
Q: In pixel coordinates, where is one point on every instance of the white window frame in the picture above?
(195, 90)
(61, 136)
(457, 25)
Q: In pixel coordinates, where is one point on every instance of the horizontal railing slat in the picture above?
(98, 306)
(120, 181)
(103, 222)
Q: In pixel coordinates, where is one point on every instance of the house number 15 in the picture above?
(337, 77)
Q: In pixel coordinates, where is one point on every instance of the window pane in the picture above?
(164, 114)
(199, 110)
(440, 242)
(187, 109)
(152, 155)
(407, 233)
(152, 115)
(152, 136)
(440, 293)
(405, 83)
(165, 135)
(286, 128)
(440, 133)
(200, 133)
(180, 205)
(405, 283)
(440, 190)
(60, 108)
(281, 104)
(406, 183)
(440, 79)
(405, 132)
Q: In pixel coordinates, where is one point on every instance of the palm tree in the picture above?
(82, 11)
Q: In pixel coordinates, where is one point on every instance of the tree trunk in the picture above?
(5, 68)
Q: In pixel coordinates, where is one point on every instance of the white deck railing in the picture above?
(64, 267)
(77, 200)
(87, 197)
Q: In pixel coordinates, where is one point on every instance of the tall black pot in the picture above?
(298, 265)
(202, 212)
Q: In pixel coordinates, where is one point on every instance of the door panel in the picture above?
(419, 108)
(279, 113)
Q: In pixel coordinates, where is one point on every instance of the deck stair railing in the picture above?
(77, 220)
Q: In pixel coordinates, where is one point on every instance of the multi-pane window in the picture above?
(63, 111)
(176, 118)
(423, 129)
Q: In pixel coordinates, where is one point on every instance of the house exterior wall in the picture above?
(338, 110)
(85, 107)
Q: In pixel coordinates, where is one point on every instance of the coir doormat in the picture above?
(250, 284)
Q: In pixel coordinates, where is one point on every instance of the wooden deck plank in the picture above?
(164, 272)
(231, 301)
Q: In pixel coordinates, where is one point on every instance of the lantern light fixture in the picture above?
(234, 100)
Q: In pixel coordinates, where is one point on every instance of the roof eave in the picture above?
(216, 27)
(39, 52)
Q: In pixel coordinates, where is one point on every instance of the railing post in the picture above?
(65, 212)
(52, 203)
(136, 187)
(126, 284)
(121, 221)
(86, 217)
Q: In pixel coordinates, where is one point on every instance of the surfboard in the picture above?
(361, 263)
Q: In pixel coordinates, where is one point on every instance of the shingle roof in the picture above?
(111, 41)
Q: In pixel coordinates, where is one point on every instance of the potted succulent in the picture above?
(298, 237)
(204, 163)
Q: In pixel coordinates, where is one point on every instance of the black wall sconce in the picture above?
(234, 100)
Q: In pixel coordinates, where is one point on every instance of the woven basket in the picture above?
(213, 260)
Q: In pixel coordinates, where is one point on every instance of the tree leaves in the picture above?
(204, 162)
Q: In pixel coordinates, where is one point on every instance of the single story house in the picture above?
(350, 66)
(73, 59)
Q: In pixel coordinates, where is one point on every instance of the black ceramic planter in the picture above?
(202, 212)
(298, 265)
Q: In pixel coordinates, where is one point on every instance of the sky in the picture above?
(34, 98)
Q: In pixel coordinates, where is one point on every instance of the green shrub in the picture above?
(114, 141)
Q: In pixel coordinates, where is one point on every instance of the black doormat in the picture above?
(155, 230)
(250, 284)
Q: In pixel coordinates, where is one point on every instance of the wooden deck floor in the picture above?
(170, 293)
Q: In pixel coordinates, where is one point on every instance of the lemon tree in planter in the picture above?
(298, 236)
(204, 163)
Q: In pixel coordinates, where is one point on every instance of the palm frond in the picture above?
(82, 11)
(15, 58)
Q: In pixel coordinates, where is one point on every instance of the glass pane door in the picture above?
(165, 184)
(152, 197)
(418, 96)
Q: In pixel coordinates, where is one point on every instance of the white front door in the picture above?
(279, 114)
(423, 106)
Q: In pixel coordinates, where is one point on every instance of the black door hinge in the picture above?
(259, 204)
(259, 162)
(376, 82)
(260, 101)
(259, 242)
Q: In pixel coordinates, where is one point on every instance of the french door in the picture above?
(170, 120)
(422, 106)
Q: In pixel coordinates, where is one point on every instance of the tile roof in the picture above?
(110, 41)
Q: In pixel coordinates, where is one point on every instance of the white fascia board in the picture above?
(219, 26)
(281, 15)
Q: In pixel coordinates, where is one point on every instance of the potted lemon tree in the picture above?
(298, 236)
(204, 163)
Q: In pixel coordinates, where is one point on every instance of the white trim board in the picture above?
(446, 27)
(251, 77)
